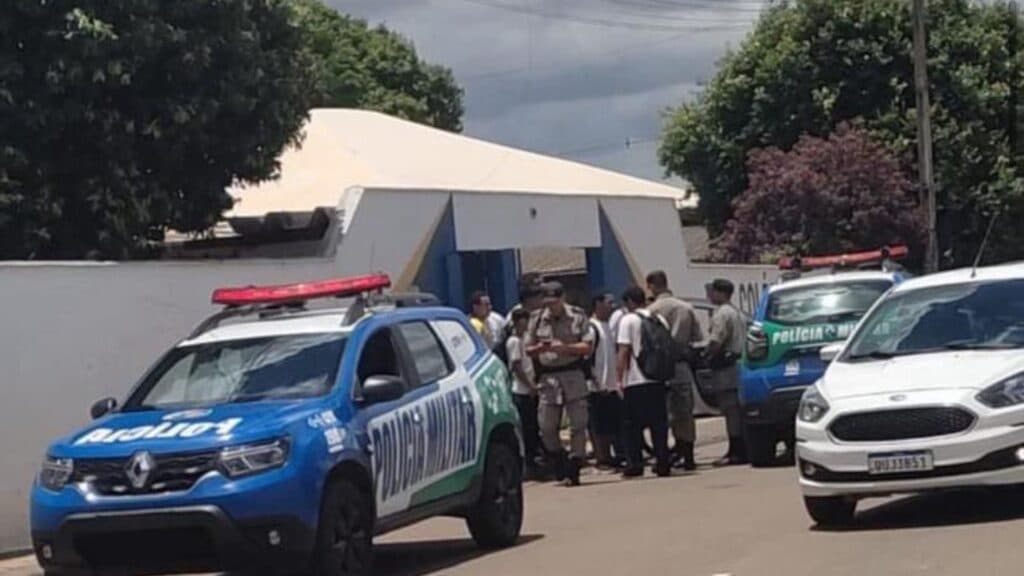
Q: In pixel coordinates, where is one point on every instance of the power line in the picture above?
(710, 6)
(598, 21)
(627, 144)
(659, 7)
(491, 74)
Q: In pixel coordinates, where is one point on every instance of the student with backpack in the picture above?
(646, 362)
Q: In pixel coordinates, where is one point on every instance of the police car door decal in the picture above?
(423, 442)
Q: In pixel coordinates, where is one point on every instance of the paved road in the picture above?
(736, 521)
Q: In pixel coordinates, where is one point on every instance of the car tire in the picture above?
(761, 446)
(344, 539)
(831, 511)
(496, 520)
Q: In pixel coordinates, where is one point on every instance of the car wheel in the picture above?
(344, 545)
(830, 511)
(761, 446)
(497, 518)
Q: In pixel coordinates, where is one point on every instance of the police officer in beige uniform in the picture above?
(685, 329)
(561, 342)
(725, 347)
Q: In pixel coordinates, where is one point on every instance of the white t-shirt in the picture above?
(496, 323)
(516, 353)
(604, 357)
(630, 333)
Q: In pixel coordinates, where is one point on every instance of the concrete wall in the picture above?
(71, 334)
(750, 281)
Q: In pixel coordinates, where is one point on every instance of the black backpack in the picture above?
(657, 358)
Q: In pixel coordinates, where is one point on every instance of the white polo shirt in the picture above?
(630, 333)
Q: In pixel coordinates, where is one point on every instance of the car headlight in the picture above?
(55, 473)
(240, 461)
(813, 406)
(1005, 393)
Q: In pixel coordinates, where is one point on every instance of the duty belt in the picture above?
(578, 366)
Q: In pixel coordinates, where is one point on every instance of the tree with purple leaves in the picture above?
(837, 194)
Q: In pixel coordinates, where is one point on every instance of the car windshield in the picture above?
(976, 316)
(279, 367)
(840, 302)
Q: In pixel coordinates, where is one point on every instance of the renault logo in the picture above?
(140, 467)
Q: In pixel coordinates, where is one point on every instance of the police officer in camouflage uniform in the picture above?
(561, 342)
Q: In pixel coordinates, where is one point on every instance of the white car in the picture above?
(926, 394)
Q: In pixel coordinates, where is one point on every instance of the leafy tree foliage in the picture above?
(377, 69)
(810, 65)
(825, 196)
(121, 118)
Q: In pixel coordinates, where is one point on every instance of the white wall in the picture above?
(749, 281)
(650, 235)
(491, 221)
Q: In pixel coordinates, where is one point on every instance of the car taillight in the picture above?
(757, 343)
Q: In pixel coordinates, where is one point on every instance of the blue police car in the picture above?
(793, 322)
(281, 438)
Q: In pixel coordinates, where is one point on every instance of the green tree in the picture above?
(121, 118)
(811, 64)
(374, 68)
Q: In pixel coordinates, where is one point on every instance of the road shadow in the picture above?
(975, 506)
(424, 557)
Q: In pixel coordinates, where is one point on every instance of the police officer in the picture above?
(682, 322)
(725, 346)
(561, 341)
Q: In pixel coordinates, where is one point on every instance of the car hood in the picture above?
(936, 371)
(161, 431)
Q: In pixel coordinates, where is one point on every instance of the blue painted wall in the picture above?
(607, 269)
(454, 276)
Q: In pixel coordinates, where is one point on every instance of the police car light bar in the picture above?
(289, 293)
(850, 259)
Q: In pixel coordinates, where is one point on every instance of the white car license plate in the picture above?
(900, 462)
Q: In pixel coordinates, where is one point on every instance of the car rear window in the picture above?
(822, 303)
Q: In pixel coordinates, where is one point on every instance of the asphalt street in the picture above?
(736, 521)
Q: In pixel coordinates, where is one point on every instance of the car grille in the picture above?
(172, 473)
(903, 424)
(154, 548)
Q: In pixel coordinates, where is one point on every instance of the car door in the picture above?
(423, 447)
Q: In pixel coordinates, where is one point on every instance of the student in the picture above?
(643, 397)
(480, 317)
(605, 405)
(524, 386)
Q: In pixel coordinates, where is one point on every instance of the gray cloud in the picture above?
(574, 78)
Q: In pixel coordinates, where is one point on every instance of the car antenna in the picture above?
(984, 244)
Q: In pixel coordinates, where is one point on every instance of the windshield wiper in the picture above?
(875, 355)
(973, 345)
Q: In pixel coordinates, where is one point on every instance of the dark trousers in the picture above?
(645, 410)
(526, 405)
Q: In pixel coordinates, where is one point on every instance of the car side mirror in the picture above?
(829, 353)
(102, 408)
(377, 389)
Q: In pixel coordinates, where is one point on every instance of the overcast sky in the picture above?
(572, 78)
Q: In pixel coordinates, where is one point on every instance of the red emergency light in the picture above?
(287, 293)
(849, 259)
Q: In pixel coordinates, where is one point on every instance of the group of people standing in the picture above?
(595, 372)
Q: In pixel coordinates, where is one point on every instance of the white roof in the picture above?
(1013, 271)
(358, 148)
(836, 278)
(312, 323)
